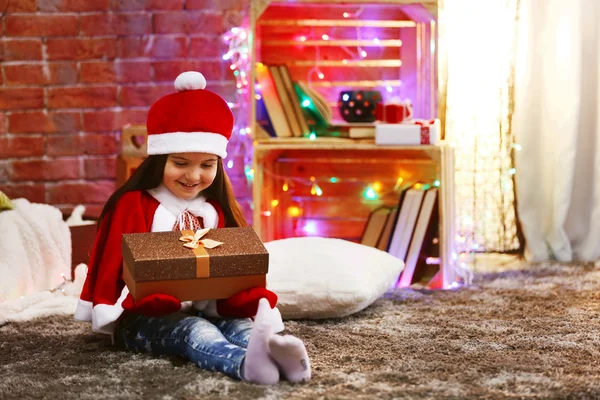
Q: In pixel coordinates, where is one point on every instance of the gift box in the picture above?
(160, 262)
(394, 113)
(415, 132)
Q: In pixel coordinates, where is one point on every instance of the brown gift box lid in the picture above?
(162, 256)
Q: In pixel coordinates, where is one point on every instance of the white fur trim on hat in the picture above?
(187, 142)
(190, 80)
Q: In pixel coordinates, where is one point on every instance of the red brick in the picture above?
(207, 46)
(143, 95)
(215, 4)
(115, 24)
(4, 171)
(44, 122)
(64, 145)
(81, 97)
(81, 49)
(168, 70)
(132, 5)
(21, 98)
(100, 144)
(21, 146)
(45, 170)
(102, 121)
(133, 71)
(187, 22)
(73, 5)
(3, 125)
(80, 193)
(100, 71)
(153, 46)
(35, 193)
(21, 50)
(41, 25)
(99, 168)
(21, 6)
(41, 74)
(231, 19)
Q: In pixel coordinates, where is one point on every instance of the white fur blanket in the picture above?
(35, 249)
(62, 301)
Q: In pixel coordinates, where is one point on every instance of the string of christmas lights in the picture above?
(238, 55)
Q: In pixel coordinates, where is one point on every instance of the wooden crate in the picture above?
(342, 210)
(133, 151)
(399, 37)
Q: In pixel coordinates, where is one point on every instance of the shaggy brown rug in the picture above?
(517, 334)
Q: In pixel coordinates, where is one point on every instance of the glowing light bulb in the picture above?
(346, 15)
(266, 213)
(512, 171)
(230, 164)
(312, 136)
(370, 194)
(303, 38)
(320, 75)
(363, 54)
(274, 203)
(517, 147)
(257, 96)
(376, 40)
(325, 37)
(389, 89)
(376, 186)
(345, 97)
(436, 183)
(306, 103)
(333, 179)
(285, 187)
(294, 211)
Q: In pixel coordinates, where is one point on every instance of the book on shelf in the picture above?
(263, 121)
(408, 206)
(288, 83)
(386, 233)
(272, 101)
(321, 111)
(422, 241)
(354, 130)
(286, 101)
(375, 226)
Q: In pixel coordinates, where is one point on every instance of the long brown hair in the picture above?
(149, 175)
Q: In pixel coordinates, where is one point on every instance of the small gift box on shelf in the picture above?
(394, 113)
(202, 265)
(414, 132)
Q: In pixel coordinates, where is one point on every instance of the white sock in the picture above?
(290, 354)
(259, 367)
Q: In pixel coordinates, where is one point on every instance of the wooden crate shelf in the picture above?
(341, 211)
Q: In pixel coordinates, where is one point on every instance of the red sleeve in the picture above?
(104, 281)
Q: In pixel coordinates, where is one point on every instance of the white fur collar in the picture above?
(176, 205)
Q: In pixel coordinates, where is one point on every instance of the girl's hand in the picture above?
(245, 303)
(154, 305)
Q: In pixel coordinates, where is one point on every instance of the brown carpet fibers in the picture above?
(524, 334)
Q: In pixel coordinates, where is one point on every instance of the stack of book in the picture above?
(408, 231)
(287, 108)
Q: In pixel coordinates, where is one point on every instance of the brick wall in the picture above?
(75, 71)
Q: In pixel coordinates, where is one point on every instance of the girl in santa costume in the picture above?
(182, 185)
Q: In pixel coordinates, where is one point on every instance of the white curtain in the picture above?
(557, 123)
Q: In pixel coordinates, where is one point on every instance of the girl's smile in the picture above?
(187, 174)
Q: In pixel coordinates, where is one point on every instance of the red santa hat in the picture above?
(192, 120)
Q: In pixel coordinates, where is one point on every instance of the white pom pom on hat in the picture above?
(192, 119)
(190, 80)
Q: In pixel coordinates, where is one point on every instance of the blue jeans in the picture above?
(212, 344)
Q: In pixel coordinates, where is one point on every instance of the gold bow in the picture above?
(193, 241)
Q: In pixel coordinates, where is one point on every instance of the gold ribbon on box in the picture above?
(193, 242)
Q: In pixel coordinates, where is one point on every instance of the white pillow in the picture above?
(317, 277)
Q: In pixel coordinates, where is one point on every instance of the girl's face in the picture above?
(187, 174)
